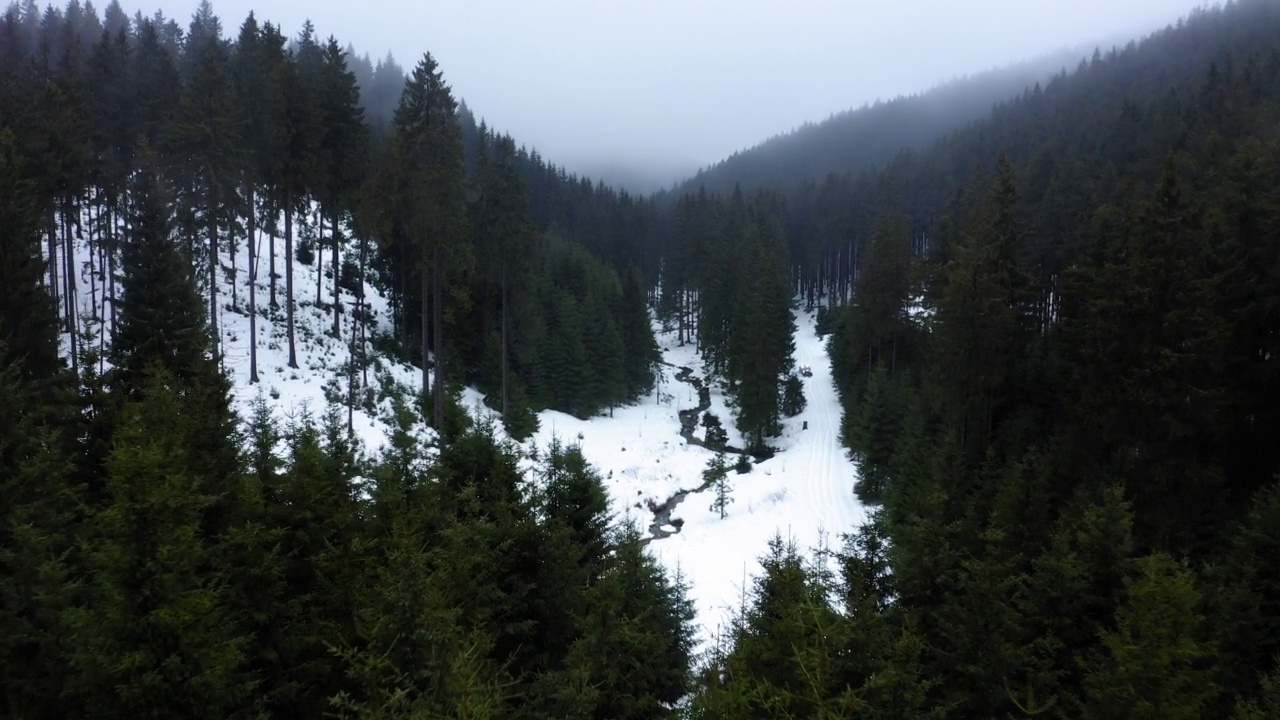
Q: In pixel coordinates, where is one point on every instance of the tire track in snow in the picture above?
(824, 496)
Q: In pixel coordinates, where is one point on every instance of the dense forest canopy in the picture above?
(1052, 314)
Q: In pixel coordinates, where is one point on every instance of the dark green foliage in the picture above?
(793, 400)
(872, 432)
(27, 321)
(161, 321)
(716, 436)
(636, 646)
(1154, 662)
(155, 616)
(306, 251)
(716, 474)
(1057, 368)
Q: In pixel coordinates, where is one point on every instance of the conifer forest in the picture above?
(1048, 309)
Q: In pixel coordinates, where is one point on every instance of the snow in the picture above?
(804, 492)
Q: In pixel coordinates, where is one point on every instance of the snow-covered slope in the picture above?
(802, 492)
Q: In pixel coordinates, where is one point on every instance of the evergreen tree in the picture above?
(716, 474)
(161, 323)
(341, 149)
(156, 616)
(292, 166)
(1153, 660)
(427, 174)
(205, 142)
(27, 330)
(716, 437)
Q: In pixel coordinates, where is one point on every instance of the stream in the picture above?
(688, 425)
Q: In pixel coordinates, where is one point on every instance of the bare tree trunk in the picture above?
(52, 234)
(438, 330)
(337, 275)
(364, 366)
(69, 254)
(235, 269)
(504, 334)
(95, 250)
(318, 255)
(288, 283)
(426, 335)
(213, 271)
(251, 241)
(271, 250)
(351, 381)
(111, 261)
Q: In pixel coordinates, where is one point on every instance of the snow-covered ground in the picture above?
(803, 492)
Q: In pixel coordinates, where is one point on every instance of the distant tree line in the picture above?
(725, 286)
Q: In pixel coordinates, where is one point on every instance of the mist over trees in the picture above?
(861, 139)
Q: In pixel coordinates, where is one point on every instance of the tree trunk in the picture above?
(52, 234)
(213, 270)
(69, 255)
(438, 330)
(337, 275)
(426, 337)
(288, 283)
(271, 250)
(504, 335)
(235, 274)
(94, 251)
(318, 256)
(364, 367)
(111, 260)
(251, 241)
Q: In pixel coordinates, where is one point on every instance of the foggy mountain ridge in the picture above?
(864, 137)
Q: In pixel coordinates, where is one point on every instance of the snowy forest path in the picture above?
(824, 418)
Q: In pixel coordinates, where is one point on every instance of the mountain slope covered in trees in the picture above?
(1054, 335)
(867, 137)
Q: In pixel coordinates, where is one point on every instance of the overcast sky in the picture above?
(662, 87)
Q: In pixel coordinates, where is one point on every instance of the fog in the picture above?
(645, 92)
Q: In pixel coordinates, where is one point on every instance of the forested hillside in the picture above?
(1055, 337)
(268, 134)
(162, 557)
(1053, 324)
(864, 138)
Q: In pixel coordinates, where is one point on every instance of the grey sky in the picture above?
(661, 87)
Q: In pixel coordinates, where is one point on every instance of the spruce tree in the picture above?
(27, 331)
(205, 141)
(428, 171)
(156, 615)
(341, 150)
(161, 321)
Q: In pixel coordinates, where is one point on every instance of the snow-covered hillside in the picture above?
(802, 492)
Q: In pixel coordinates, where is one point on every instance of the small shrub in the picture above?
(306, 251)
